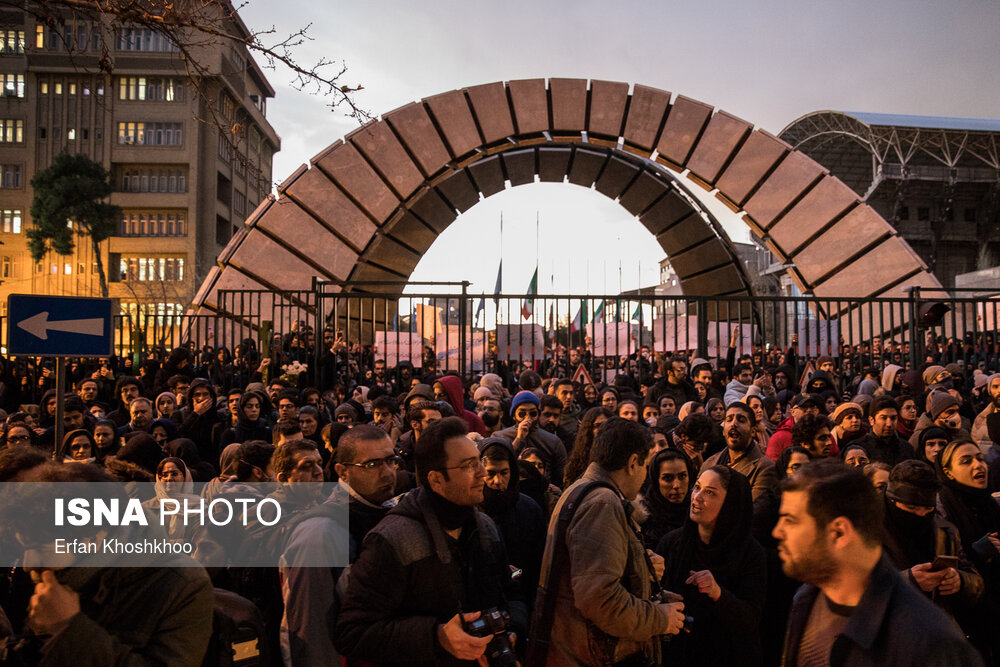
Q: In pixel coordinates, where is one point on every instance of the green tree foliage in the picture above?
(70, 201)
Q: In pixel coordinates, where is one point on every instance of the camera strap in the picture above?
(548, 586)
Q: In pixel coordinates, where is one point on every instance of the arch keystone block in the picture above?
(607, 108)
(531, 105)
(569, 104)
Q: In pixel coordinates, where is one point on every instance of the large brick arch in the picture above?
(369, 205)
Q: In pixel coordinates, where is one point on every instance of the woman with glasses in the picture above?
(18, 435)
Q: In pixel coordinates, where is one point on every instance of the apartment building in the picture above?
(190, 154)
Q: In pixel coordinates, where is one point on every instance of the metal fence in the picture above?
(449, 329)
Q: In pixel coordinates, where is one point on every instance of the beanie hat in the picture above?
(346, 409)
(824, 360)
(913, 482)
(841, 411)
(522, 397)
(931, 373)
(939, 401)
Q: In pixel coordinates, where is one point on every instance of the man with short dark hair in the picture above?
(366, 466)
(287, 404)
(569, 420)
(855, 608)
(883, 443)
(434, 563)
(128, 388)
(599, 574)
(744, 456)
(675, 380)
(812, 433)
(490, 410)
(141, 411)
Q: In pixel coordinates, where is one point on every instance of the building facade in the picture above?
(190, 155)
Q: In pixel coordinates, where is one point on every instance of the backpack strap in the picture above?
(548, 587)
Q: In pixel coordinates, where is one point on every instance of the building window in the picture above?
(923, 214)
(12, 41)
(11, 131)
(152, 269)
(227, 106)
(58, 88)
(142, 39)
(144, 179)
(13, 84)
(39, 37)
(150, 134)
(225, 148)
(239, 203)
(152, 223)
(72, 89)
(139, 88)
(10, 221)
(10, 176)
(969, 215)
(43, 87)
(904, 213)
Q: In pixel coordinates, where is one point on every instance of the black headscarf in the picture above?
(185, 450)
(912, 534)
(141, 450)
(732, 530)
(664, 515)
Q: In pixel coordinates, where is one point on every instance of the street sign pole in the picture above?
(57, 450)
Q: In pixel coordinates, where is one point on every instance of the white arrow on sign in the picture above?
(39, 326)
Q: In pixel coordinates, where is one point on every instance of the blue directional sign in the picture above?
(58, 326)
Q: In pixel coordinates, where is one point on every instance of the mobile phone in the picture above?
(943, 563)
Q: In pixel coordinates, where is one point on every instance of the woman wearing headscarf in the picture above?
(228, 461)
(173, 482)
(163, 430)
(966, 502)
(714, 562)
(250, 424)
(930, 443)
(185, 450)
(666, 494)
(78, 446)
(107, 438)
(166, 407)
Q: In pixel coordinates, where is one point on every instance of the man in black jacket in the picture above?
(433, 564)
(883, 443)
(855, 608)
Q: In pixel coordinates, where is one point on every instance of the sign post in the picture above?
(60, 327)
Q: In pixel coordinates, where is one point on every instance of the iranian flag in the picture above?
(528, 306)
(599, 313)
(580, 320)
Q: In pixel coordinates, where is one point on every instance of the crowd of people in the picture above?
(752, 509)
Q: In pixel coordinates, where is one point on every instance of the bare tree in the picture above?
(192, 26)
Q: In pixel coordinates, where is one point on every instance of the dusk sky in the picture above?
(766, 62)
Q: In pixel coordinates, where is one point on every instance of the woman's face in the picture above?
(880, 480)
(908, 410)
(439, 393)
(590, 393)
(718, 412)
(967, 466)
(308, 424)
(674, 480)
(851, 423)
(104, 435)
(668, 406)
(79, 448)
(933, 447)
(534, 460)
(159, 434)
(251, 409)
(702, 390)
(609, 401)
(707, 499)
(170, 475)
(831, 404)
(857, 458)
(165, 406)
(796, 461)
(758, 408)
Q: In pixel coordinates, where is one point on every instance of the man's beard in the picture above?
(739, 444)
(815, 567)
(996, 401)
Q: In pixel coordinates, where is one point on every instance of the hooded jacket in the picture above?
(520, 519)
(889, 378)
(453, 387)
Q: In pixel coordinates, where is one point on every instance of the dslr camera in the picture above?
(494, 622)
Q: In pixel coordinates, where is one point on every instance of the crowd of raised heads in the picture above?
(727, 437)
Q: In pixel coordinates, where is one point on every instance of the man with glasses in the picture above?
(366, 465)
(435, 556)
(525, 407)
